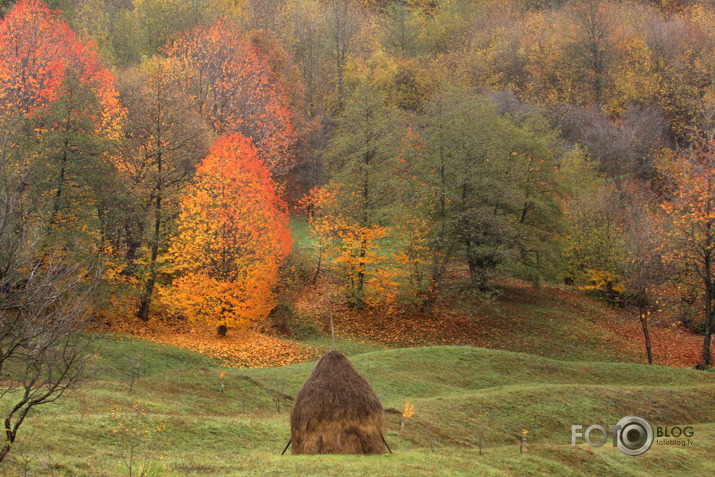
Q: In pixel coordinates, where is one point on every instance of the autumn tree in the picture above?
(65, 115)
(38, 48)
(58, 110)
(645, 269)
(401, 27)
(690, 209)
(344, 24)
(232, 237)
(307, 37)
(593, 239)
(165, 138)
(71, 165)
(589, 48)
(362, 158)
(232, 84)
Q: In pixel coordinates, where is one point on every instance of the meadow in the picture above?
(173, 419)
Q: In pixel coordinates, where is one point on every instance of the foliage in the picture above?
(354, 211)
(165, 138)
(234, 87)
(491, 184)
(38, 50)
(232, 237)
(690, 212)
(61, 116)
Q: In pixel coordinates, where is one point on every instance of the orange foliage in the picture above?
(37, 51)
(246, 349)
(233, 235)
(234, 86)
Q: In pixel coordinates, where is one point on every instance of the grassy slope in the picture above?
(558, 323)
(456, 390)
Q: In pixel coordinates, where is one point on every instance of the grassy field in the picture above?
(162, 408)
(459, 393)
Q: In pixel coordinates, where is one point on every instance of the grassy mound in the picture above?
(187, 426)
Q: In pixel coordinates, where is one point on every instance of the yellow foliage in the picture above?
(602, 280)
(409, 410)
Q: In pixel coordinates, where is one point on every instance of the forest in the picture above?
(157, 156)
(534, 179)
(161, 147)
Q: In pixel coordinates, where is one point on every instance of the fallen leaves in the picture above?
(245, 349)
(672, 346)
(577, 321)
(498, 325)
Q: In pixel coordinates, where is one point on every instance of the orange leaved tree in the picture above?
(690, 210)
(59, 116)
(233, 235)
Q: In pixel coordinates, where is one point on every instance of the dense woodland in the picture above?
(152, 153)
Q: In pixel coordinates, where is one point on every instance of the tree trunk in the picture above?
(156, 236)
(151, 280)
(222, 329)
(5, 450)
(317, 269)
(707, 353)
(60, 185)
(9, 439)
(709, 312)
(359, 302)
(643, 316)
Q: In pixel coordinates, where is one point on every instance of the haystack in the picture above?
(336, 411)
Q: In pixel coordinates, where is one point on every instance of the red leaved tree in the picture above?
(234, 87)
(233, 236)
(58, 109)
(37, 51)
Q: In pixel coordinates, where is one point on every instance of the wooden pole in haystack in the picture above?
(332, 328)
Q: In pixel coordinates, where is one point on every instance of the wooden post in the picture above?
(332, 328)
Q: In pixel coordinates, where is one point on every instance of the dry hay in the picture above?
(337, 411)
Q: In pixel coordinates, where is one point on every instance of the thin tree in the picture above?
(644, 270)
(166, 139)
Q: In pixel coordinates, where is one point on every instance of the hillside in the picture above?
(459, 393)
(558, 323)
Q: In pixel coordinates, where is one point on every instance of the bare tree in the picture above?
(43, 348)
(43, 311)
(644, 269)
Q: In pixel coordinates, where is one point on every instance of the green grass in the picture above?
(457, 391)
(300, 231)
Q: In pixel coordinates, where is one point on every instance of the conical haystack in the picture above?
(336, 411)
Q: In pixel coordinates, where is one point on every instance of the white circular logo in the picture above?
(635, 435)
